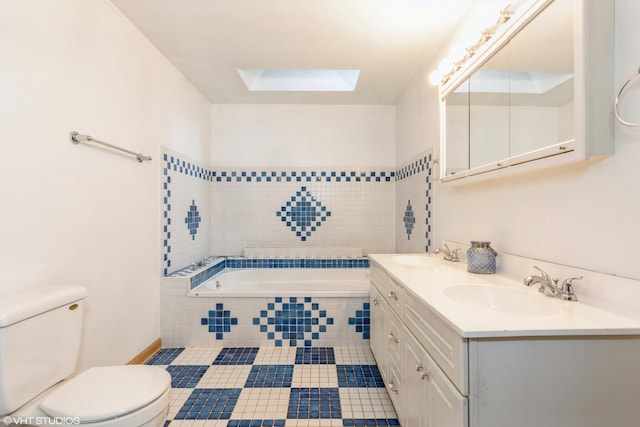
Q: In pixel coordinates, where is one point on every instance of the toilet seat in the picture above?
(105, 393)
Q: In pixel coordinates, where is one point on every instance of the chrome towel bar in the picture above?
(77, 138)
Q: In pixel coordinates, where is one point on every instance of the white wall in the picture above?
(301, 136)
(585, 215)
(80, 215)
(288, 139)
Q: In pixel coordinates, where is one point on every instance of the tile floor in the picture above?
(275, 386)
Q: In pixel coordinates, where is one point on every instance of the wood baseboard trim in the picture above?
(145, 354)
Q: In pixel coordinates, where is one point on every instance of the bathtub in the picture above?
(290, 282)
(249, 303)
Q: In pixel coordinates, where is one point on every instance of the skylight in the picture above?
(300, 80)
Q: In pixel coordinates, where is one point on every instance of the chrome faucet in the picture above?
(549, 286)
(199, 264)
(449, 255)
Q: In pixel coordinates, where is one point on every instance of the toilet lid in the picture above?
(107, 392)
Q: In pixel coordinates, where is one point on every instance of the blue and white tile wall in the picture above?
(414, 193)
(214, 211)
(316, 207)
(186, 211)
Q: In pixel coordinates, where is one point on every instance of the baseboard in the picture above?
(146, 353)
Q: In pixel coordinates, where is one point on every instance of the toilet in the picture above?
(40, 334)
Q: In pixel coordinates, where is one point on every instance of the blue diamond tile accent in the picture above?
(186, 376)
(193, 219)
(314, 403)
(362, 321)
(359, 376)
(164, 356)
(219, 321)
(409, 219)
(315, 356)
(209, 404)
(293, 321)
(236, 356)
(262, 376)
(303, 214)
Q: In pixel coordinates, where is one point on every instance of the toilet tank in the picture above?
(40, 333)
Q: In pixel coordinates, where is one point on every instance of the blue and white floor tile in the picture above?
(275, 386)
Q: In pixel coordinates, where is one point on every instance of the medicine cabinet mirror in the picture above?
(538, 94)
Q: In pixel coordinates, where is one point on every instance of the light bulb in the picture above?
(435, 77)
(445, 66)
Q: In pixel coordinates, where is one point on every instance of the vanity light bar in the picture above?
(505, 15)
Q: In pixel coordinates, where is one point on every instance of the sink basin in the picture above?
(412, 260)
(502, 300)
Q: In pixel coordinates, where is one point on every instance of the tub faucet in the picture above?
(549, 286)
(449, 255)
(199, 264)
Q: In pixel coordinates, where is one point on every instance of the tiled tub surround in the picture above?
(275, 386)
(289, 314)
(414, 192)
(186, 211)
(223, 210)
(302, 208)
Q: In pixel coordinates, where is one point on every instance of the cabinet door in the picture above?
(395, 360)
(416, 409)
(448, 408)
(378, 342)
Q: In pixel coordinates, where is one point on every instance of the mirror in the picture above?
(516, 100)
(541, 112)
(489, 111)
(457, 129)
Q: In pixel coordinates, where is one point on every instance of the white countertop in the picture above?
(491, 305)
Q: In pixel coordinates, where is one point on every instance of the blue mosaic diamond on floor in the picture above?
(193, 220)
(165, 356)
(409, 219)
(293, 321)
(362, 321)
(236, 356)
(359, 376)
(315, 356)
(263, 376)
(209, 404)
(219, 321)
(303, 214)
(314, 403)
(186, 376)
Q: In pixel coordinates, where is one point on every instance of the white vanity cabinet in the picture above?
(440, 376)
(378, 307)
(431, 399)
(421, 393)
(388, 335)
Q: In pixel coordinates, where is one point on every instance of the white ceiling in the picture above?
(208, 40)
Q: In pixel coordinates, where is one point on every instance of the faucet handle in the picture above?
(567, 288)
(568, 283)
